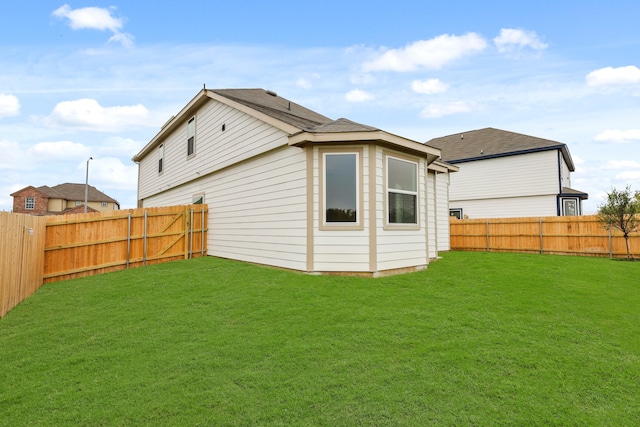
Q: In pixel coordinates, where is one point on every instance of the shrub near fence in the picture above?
(22, 241)
(569, 235)
(87, 244)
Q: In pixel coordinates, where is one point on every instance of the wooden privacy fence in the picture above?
(22, 241)
(569, 235)
(87, 244)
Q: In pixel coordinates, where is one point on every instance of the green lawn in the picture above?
(476, 339)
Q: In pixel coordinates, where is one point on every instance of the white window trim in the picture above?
(387, 190)
(359, 223)
(33, 203)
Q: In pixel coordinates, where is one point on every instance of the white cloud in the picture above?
(428, 54)
(358, 95)
(439, 110)
(59, 151)
(614, 76)
(12, 156)
(304, 83)
(511, 40)
(118, 146)
(621, 164)
(618, 136)
(110, 172)
(628, 176)
(95, 18)
(362, 79)
(89, 114)
(9, 105)
(125, 39)
(429, 86)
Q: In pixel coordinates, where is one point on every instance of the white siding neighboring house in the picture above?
(507, 174)
(291, 188)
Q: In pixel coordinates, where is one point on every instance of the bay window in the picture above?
(402, 191)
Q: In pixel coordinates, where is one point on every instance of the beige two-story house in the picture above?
(61, 199)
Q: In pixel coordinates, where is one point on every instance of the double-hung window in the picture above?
(341, 195)
(30, 203)
(191, 136)
(402, 191)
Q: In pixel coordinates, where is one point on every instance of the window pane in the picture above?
(341, 187)
(191, 132)
(402, 175)
(402, 208)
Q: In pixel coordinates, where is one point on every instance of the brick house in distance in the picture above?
(61, 199)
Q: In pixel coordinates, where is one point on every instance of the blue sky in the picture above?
(100, 78)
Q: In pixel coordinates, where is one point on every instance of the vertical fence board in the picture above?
(570, 235)
(21, 258)
(87, 244)
(36, 250)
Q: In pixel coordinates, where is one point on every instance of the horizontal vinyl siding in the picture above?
(257, 209)
(532, 174)
(341, 250)
(244, 137)
(508, 208)
(442, 206)
(400, 248)
(431, 215)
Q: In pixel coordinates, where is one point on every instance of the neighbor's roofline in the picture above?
(560, 146)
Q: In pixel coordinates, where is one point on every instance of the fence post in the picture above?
(488, 238)
(186, 232)
(202, 233)
(541, 244)
(610, 243)
(144, 238)
(191, 234)
(128, 239)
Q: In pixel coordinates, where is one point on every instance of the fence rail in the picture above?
(86, 244)
(21, 258)
(570, 235)
(36, 250)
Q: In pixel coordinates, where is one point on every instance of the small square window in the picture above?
(78, 203)
(456, 213)
(198, 200)
(30, 203)
(104, 204)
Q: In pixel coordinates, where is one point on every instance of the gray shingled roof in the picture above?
(270, 103)
(69, 191)
(491, 143)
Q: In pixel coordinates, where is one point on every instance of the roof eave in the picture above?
(201, 98)
(381, 137)
(170, 125)
(562, 148)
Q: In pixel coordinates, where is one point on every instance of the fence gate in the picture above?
(86, 244)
